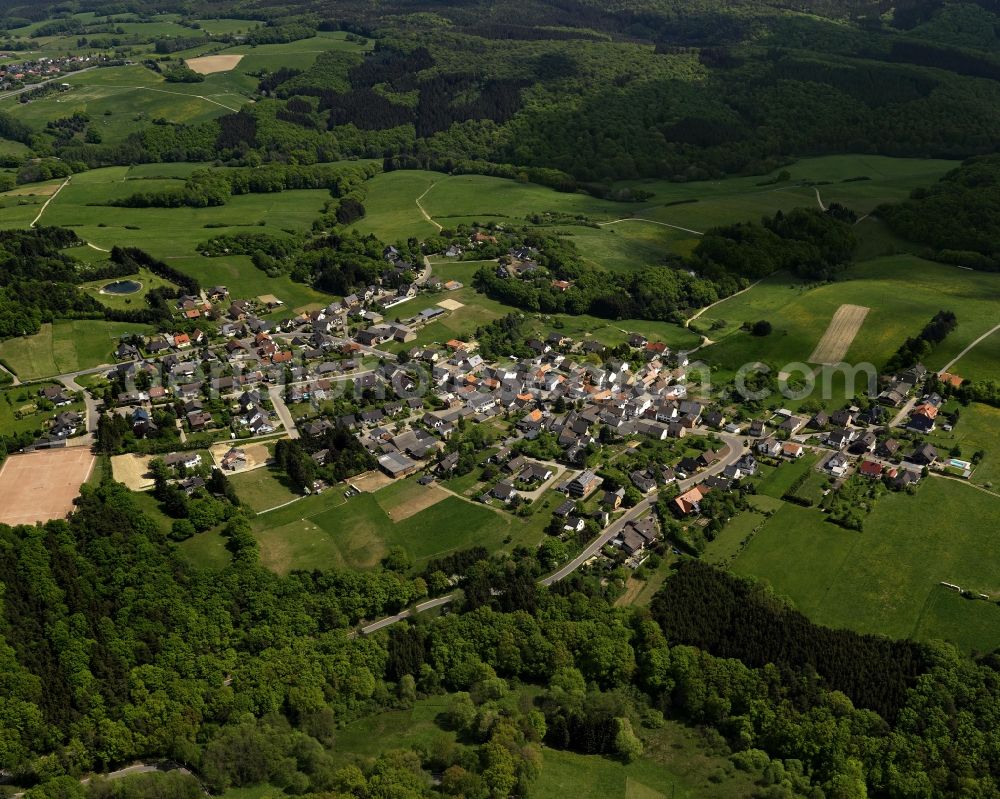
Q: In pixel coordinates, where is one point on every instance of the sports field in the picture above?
(881, 579)
(42, 485)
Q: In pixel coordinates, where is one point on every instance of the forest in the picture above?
(114, 648)
(958, 218)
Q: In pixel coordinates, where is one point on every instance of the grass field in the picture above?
(727, 542)
(642, 240)
(261, 489)
(123, 301)
(777, 483)
(983, 362)
(65, 346)
(206, 551)
(358, 533)
(968, 623)
(879, 580)
(903, 292)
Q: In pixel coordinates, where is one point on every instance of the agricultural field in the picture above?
(66, 346)
(879, 580)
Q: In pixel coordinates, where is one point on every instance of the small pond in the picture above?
(122, 287)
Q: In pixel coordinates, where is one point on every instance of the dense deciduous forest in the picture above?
(114, 648)
(958, 217)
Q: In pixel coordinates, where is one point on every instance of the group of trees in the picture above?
(813, 244)
(343, 457)
(213, 187)
(917, 348)
(38, 281)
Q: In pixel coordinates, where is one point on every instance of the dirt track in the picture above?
(839, 335)
(40, 486)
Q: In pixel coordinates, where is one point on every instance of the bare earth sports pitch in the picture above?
(40, 486)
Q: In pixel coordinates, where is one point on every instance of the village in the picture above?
(647, 461)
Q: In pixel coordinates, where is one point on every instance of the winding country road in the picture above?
(734, 450)
(700, 311)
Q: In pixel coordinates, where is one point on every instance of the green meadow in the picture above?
(634, 235)
(981, 362)
(65, 346)
(358, 533)
(902, 291)
(879, 580)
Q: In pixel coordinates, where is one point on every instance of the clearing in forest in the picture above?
(839, 334)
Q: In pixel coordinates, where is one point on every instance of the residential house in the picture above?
(925, 455)
(690, 501)
(584, 484)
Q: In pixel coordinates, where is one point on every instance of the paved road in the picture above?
(277, 396)
(734, 450)
(93, 413)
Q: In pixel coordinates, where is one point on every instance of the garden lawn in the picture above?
(879, 580)
(978, 429)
